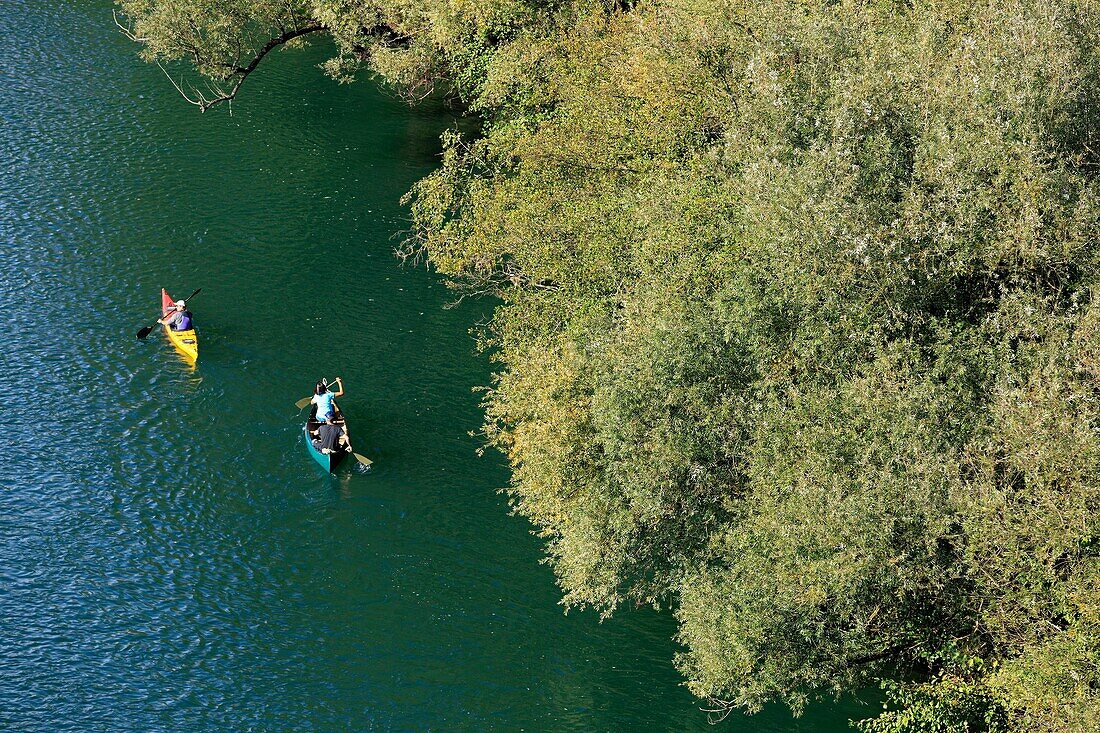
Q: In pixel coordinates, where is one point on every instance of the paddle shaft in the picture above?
(361, 458)
(145, 331)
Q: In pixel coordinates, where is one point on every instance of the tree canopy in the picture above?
(796, 328)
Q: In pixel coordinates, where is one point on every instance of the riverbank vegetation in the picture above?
(797, 327)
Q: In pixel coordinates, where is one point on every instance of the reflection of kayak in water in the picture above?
(328, 461)
(186, 341)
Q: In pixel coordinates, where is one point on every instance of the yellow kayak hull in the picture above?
(186, 342)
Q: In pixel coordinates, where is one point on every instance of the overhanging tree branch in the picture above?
(238, 74)
(225, 89)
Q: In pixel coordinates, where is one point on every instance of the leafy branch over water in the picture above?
(797, 323)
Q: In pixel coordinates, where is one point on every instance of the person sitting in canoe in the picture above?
(179, 319)
(323, 400)
(330, 435)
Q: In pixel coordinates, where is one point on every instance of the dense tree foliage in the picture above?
(797, 332)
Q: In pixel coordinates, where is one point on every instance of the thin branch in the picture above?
(128, 31)
(179, 87)
(238, 74)
(719, 710)
(241, 72)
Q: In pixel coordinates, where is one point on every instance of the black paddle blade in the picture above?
(145, 332)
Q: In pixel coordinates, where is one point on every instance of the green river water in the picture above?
(171, 559)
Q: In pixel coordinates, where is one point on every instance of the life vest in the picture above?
(182, 322)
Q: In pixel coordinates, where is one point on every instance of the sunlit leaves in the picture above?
(796, 328)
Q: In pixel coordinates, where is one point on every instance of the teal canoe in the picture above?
(327, 461)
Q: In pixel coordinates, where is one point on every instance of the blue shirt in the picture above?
(324, 404)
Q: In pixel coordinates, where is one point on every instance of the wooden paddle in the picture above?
(361, 458)
(148, 329)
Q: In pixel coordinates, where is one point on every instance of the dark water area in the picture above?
(171, 559)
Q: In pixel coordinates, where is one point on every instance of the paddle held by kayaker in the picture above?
(179, 319)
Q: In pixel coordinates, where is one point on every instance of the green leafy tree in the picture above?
(796, 323)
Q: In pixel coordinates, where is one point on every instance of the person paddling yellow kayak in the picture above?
(179, 325)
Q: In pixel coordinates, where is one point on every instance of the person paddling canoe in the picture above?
(323, 399)
(331, 437)
(179, 318)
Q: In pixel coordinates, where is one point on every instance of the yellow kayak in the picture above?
(186, 341)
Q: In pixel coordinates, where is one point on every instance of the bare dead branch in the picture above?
(179, 86)
(719, 710)
(127, 31)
